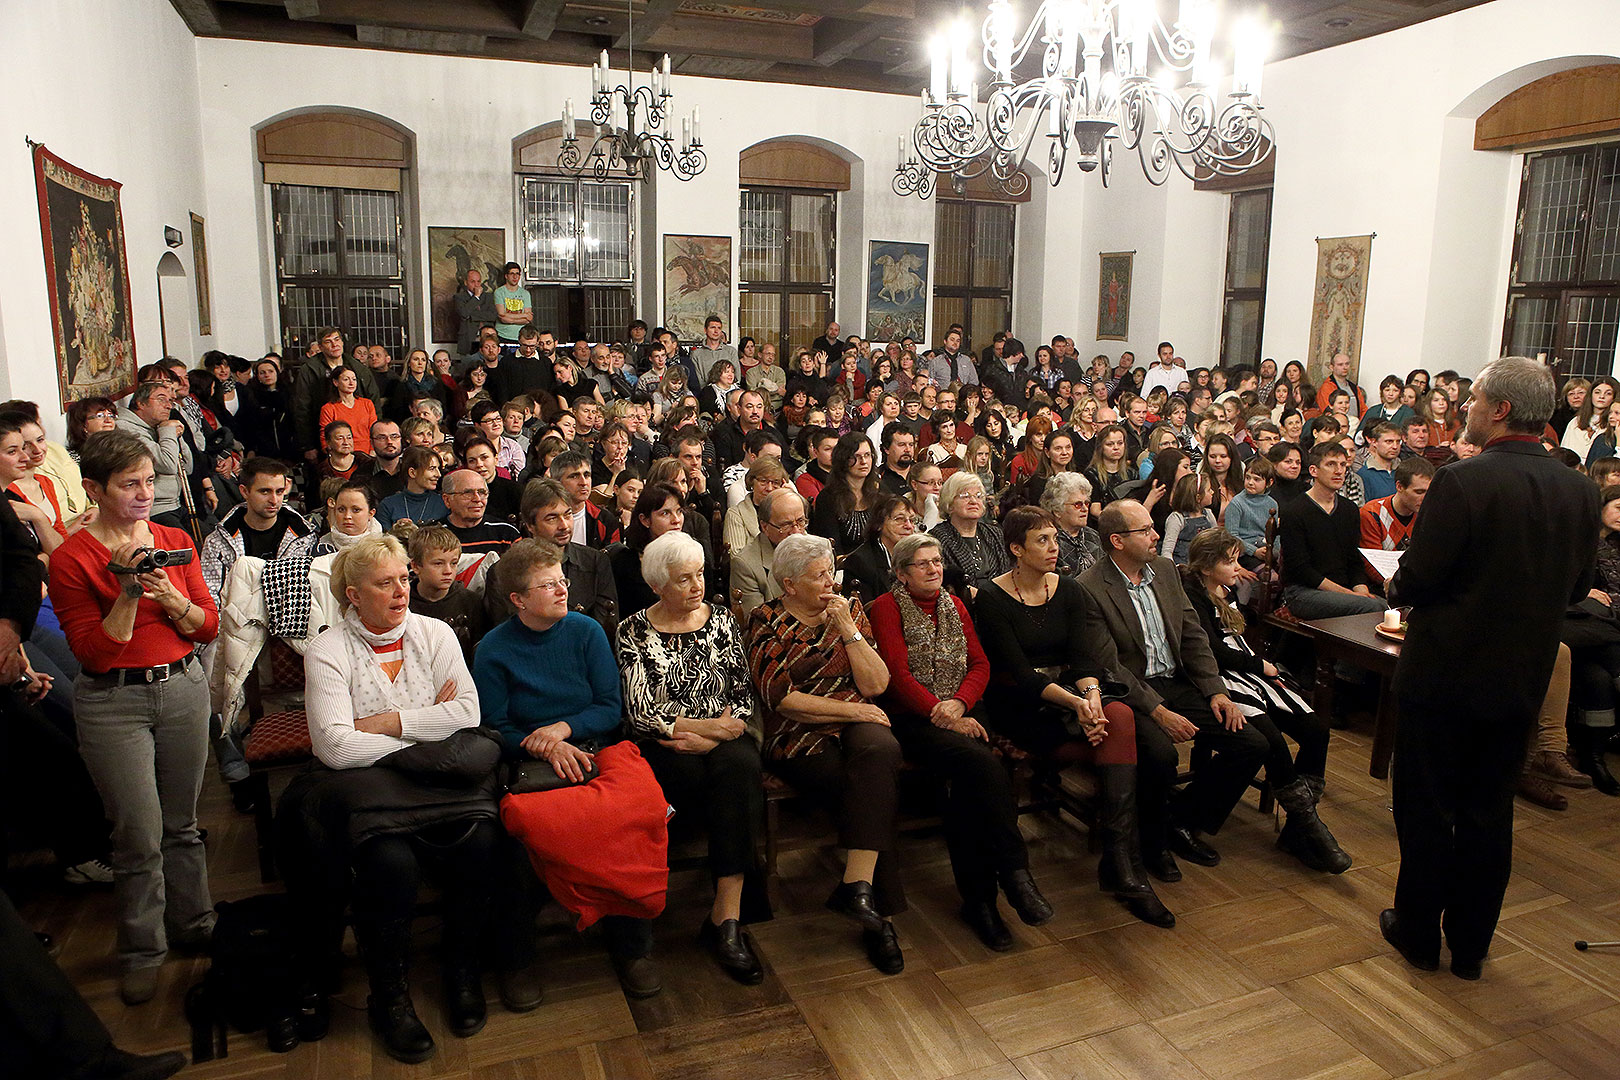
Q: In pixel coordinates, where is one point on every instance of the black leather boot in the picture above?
(387, 944)
(1121, 870)
(1589, 745)
(1303, 835)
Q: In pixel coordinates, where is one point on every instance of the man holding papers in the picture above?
(1386, 524)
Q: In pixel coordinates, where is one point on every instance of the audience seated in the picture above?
(782, 514)
(842, 510)
(1067, 497)
(867, 569)
(690, 706)
(420, 500)
(816, 673)
(764, 476)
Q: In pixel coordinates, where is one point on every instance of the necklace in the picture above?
(1020, 592)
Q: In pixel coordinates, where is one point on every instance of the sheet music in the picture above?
(1383, 561)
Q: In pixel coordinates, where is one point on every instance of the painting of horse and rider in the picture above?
(896, 290)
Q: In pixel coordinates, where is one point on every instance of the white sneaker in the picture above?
(89, 872)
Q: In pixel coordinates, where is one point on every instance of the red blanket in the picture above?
(602, 848)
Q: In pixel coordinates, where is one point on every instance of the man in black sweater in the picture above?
(1323, 575)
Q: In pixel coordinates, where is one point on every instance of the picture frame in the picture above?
(1114, 295)
(697, 284)
(896, 290)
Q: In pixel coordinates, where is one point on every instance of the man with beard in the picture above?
(899, 454)
(387, 446)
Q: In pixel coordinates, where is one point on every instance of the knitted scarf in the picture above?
(936, 655)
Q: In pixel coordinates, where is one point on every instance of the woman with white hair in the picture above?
(973, 549)
(1068, 499)
(817, 672)
(408, 785)
(689, 704)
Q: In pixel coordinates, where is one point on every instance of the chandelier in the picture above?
(1078, 101)
(627, 121)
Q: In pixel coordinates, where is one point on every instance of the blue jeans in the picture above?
(1320, 604)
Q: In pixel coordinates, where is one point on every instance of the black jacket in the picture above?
(869, 571)
(21, 572)
(1504, 543)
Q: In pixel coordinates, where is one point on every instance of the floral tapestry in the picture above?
(87, 277)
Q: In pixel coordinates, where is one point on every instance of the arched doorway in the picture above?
(174, 308)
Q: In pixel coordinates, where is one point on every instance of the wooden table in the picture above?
(1352, 639)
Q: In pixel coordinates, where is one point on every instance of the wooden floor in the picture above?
(1273, 972)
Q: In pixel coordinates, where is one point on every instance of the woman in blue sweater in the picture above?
(548, 682)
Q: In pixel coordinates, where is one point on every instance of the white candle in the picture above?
(938, 50)
(1392, 619)
(697, 131)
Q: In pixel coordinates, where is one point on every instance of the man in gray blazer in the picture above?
(784, 514)
(1175, 688)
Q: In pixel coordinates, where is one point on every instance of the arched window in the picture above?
(788, 251)
(337, 181)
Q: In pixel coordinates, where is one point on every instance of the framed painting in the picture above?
(199, 265)
(896, 290)
(697, 284)
(87, 279)
(452, 252)
(1114, 295)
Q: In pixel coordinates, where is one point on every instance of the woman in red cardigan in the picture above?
(141, 703)
(937, 673)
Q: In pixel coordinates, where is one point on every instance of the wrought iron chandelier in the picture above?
(1077, 100)
(627, 136)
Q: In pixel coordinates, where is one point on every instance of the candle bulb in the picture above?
(697, 134)
(686, 134)
(936, 80)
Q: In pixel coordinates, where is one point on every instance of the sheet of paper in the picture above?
(1383, 561)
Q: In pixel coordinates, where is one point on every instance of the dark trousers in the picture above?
(981, 813)
(46, 782)
(721, 789)
(1594, 674)
(1283, 766)
(1214, 790)
(462, 857)
(46, 1028)
(854, 781)
(1455, 775)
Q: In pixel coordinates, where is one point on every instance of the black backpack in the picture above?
(251, 978)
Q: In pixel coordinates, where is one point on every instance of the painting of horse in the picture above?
(896, 290)
(451, 253)
(697, 284)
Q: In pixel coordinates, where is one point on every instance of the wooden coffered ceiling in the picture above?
(858, 44)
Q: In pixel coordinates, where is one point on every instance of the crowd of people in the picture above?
(554, 600)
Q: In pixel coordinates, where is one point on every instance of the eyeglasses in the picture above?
(558, 585)
(796, 523)
(103, 415)
(971, 496)
(477, 493)
(1143, 529)
(925, 564)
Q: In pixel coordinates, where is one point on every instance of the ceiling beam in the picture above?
(836, 41)
(436, 41)
(303, 9)
(540, 17)
(731, 37)
(653, 18)
(202, 16)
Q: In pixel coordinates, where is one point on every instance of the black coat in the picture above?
(21, 572)
(1504, 543)
(869, 572)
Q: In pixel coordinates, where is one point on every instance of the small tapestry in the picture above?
(1339, 304)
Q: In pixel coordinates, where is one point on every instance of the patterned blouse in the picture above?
(697, 673)
(972, 560)
(1077, 554)
(786, 655)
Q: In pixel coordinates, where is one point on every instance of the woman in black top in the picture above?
(868, 570)
(843, 508)
(1048, 661)
(659, 509)
(1268, 702)
(806, 373)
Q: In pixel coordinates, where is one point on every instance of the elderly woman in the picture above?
(817, 673)
(867, 570)
(1049, 657)
(1068, 499)
(407, 785)
(547, 682)
(689, 704)
(741, 525)
(973, 549)
(937, 672)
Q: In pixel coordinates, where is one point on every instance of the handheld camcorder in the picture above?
(150, 559)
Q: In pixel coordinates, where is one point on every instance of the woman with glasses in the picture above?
(1068, 499)
(817, 672)
(937, 673)
(868, 571)
(973, 550)
(87, 416)
(741, 525)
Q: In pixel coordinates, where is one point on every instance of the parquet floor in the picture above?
(1273, 972)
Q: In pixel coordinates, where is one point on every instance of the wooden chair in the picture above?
(1271, 612)
(276, 740)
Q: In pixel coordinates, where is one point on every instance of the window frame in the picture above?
(783, 285)
(1229, 295)
(971, 291)
(579, 184)
(341, 281)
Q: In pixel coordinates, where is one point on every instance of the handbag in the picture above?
(528, 777)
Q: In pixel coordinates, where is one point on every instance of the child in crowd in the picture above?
(435, 554)
(1250, 509)
(1190, 514)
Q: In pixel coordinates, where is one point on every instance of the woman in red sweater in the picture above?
(358, 412)
(141, 703)
(937, 673)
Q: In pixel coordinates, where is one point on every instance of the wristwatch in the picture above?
(856, 640)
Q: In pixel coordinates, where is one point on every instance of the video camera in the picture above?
(150, 559)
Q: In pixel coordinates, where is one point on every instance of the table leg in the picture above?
(1322, 697)
(1383, 747)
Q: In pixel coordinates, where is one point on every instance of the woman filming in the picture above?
(141, 703)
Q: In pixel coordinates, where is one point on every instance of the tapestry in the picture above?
(1338, 304)
(199, 265)
(896, 290)
(452, 252)
(1114, 295)
(697, 284)
(87, 279)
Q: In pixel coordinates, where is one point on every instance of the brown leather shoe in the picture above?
(1555, 766)
(1537, 789)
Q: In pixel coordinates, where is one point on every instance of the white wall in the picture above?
(110, 86)
(1377, 136)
